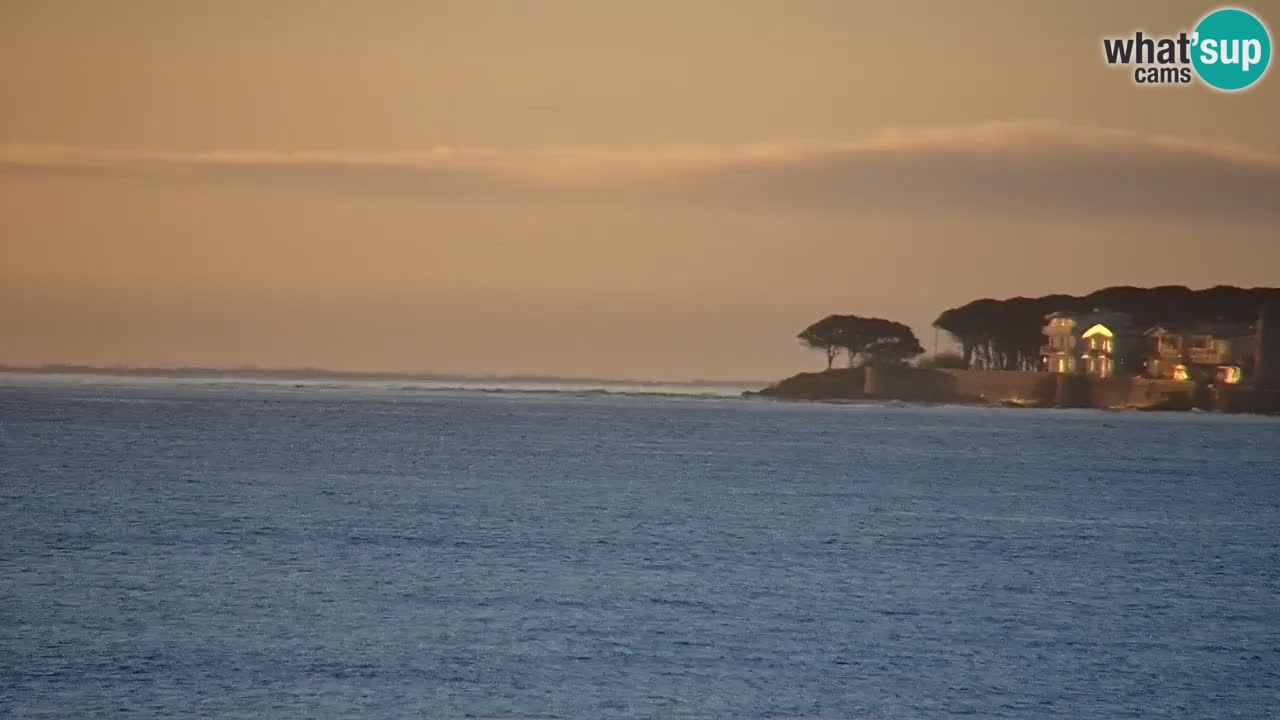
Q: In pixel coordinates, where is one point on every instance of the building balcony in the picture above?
(1205, 356)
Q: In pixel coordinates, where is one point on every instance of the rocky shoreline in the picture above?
(1009, 388)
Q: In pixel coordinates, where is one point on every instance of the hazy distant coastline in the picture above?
(311, 374)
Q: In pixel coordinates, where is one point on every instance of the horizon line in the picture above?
(316, 372)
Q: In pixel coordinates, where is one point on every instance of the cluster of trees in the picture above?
(864, 340)
(1006, 334)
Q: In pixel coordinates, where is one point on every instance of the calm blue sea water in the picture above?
(183, 550)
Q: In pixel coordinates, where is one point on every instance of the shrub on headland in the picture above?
(942, 360)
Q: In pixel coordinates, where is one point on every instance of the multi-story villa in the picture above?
(1097, 343)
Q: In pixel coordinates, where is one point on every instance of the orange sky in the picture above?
(656, 190)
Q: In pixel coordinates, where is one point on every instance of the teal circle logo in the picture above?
(1231, 49)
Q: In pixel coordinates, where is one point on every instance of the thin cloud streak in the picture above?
(1012, 169)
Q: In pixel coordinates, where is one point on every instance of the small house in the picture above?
(1210, 352)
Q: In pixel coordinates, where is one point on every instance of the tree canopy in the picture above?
(1006, 334)
(865, 340)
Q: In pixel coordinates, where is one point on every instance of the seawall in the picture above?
(908, 383)
(1034, 389)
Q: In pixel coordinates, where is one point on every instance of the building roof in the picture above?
(1110, 317)
(1216, 329)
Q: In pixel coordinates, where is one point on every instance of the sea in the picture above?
(223, 548)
